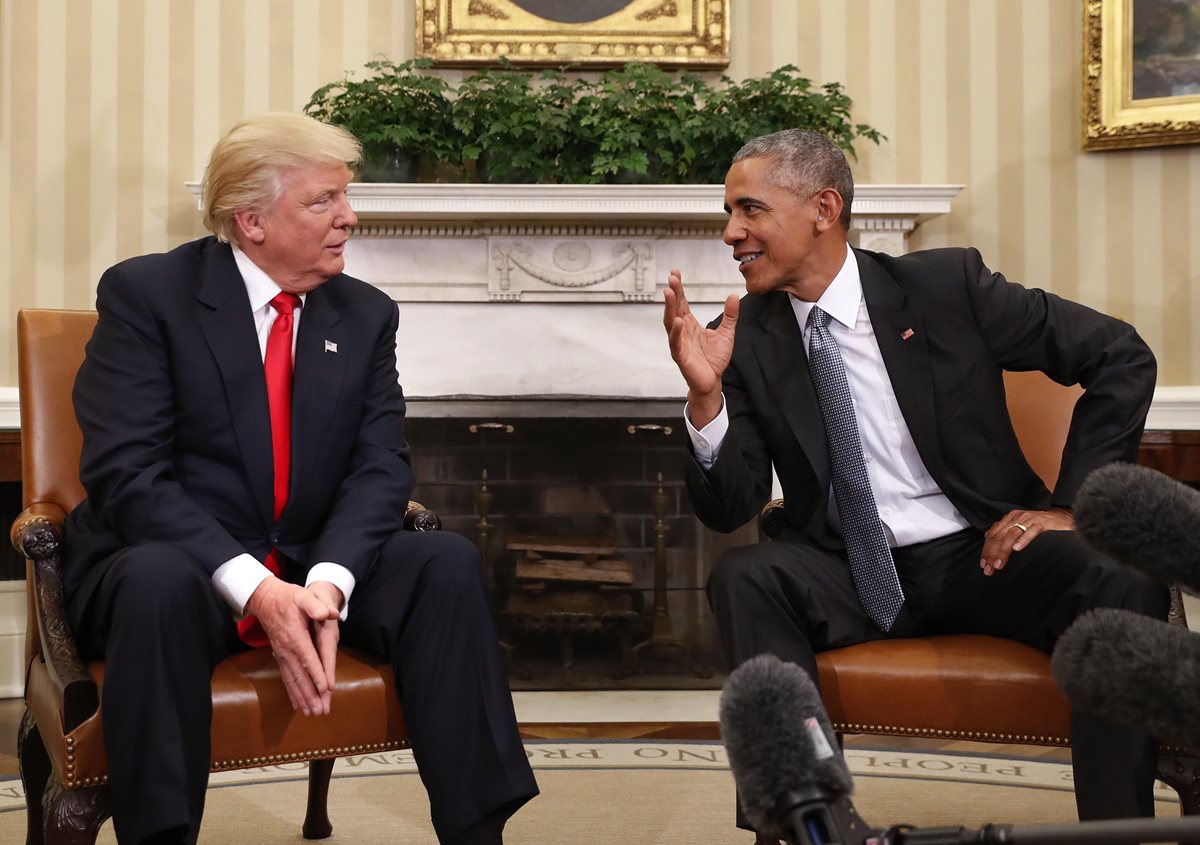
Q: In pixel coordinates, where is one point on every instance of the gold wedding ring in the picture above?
(1022, 527)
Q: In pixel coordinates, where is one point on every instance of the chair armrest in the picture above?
(41, 512)
(37, 534)
(417, 517)
(773, 519)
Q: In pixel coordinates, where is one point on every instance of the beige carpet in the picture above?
(619, 792)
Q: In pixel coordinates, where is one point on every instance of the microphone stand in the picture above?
(815, 817)
(1106, 832)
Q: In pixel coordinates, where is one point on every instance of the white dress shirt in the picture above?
(911, 505)
(237, 579)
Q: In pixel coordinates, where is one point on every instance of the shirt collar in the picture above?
(260, 287)
(840, 300)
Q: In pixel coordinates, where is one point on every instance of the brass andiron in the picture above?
(483, 539)
(662, 636)
(483, 504)
(483, 528)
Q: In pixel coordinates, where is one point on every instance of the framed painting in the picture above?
(1141, 73)
(672, 33)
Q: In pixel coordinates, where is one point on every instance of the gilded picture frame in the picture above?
(1137, 88)
(671, 33)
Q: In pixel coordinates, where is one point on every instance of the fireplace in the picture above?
(597, 563)
(531, 348)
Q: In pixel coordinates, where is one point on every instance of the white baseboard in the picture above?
(10, 408)
(12, 639)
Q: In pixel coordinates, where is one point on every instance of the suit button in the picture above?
(274, 539)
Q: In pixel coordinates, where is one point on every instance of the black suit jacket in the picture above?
(177, 447)
(968, 326)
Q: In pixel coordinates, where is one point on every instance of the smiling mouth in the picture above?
(747, 258)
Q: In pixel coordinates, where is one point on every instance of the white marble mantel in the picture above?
(554, 291)
(591, 243)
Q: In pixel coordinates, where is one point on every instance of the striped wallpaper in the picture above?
(107, 107)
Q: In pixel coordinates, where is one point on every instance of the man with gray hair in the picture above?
(247, 478)
(873, 385)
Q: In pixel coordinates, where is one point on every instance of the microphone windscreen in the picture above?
(1143, 519)
(778, 738)
(1134, 670)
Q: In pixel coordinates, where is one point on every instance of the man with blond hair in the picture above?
(247, 476)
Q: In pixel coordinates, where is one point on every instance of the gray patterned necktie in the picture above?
(871, 564)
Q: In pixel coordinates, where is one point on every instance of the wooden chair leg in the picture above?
(316, 817)
(74, 817)
(1182, 773)
(34, 764)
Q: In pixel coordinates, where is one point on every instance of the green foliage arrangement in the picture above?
(399, 113)
(636, 123)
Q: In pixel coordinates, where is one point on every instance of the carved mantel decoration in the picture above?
(678, 33)
(426, 242)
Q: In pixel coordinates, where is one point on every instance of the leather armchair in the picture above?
(966, 686)
(61, 745)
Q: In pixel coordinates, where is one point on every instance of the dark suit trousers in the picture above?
(792, 599)
(161, 626)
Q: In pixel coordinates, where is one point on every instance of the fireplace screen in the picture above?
(596, 562)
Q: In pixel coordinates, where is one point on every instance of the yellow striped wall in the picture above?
(107, 107)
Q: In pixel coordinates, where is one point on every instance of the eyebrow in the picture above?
(748, 200)
(319, 194)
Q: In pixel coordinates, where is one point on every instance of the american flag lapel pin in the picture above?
(905, 335)
(330, 346)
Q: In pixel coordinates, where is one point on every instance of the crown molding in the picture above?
(604, 203)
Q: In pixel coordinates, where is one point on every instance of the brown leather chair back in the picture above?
(50, 347)
(1041, 411)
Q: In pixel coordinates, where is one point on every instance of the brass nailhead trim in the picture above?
(314, 754)
(72, 782)
(977, 736)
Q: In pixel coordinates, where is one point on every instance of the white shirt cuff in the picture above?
(706, 442)
(335, 574)
(236, 580)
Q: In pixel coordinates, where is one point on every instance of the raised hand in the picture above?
(701, 354)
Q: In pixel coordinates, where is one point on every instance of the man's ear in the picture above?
(250, 226)
(829, 208)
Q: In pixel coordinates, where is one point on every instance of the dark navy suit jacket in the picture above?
(177, 447)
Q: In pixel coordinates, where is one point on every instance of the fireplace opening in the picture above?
(596, 562)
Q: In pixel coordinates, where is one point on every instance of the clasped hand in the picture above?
(1016, 530)
(302, 626)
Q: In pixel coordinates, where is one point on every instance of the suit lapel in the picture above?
(228, 327)
(322, 350)
(780, 352)
(902, 343)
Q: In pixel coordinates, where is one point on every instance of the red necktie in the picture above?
(278, 369)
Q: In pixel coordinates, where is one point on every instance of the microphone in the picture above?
(791, 778)
(1134, 670)
(1143, 519)
(793, 783)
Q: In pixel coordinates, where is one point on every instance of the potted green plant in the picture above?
(399, 112)
(735, 112)
(644, 122)
(517, 126)
(636, 123)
